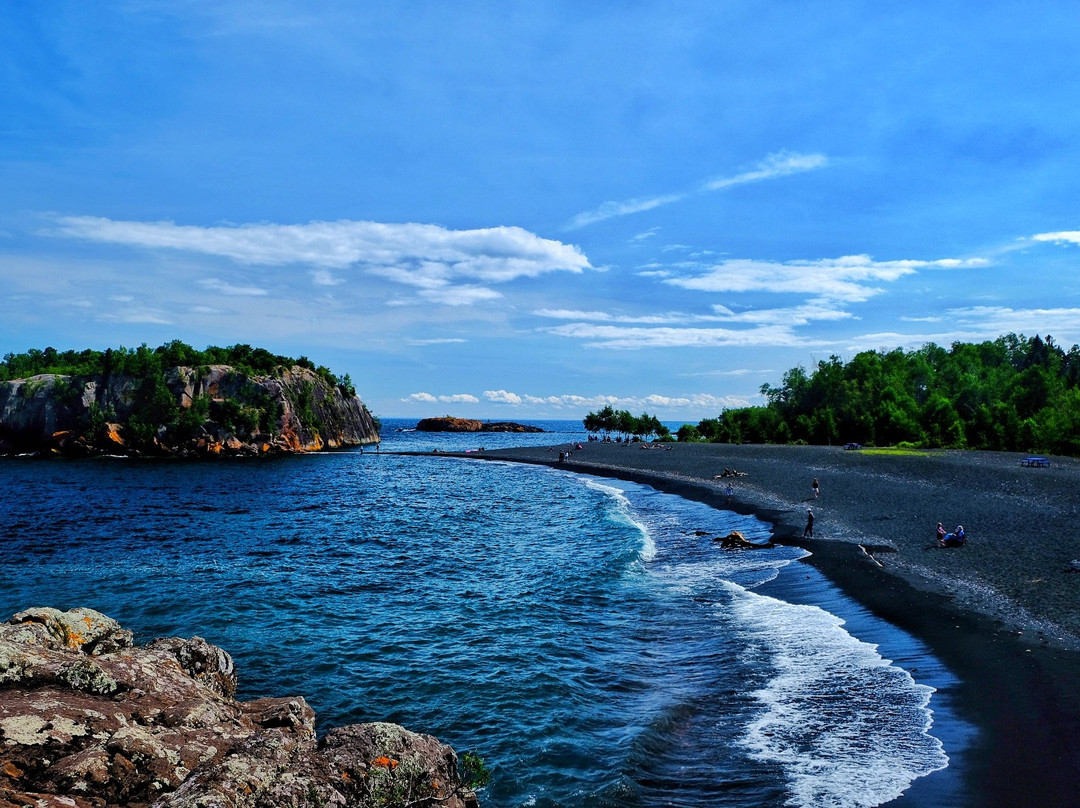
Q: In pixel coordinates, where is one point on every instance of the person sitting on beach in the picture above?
(955, 539)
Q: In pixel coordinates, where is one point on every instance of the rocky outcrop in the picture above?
(449, 424)
(88, 720)
(209, 411)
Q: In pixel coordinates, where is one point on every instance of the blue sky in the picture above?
(521, 210)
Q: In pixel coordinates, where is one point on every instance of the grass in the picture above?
(895, 451)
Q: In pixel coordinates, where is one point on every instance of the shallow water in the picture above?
(580, 634)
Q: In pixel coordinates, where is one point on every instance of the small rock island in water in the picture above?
(176, 401)
(89, 719)
(448, 424)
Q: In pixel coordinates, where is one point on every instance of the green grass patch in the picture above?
(896, 451)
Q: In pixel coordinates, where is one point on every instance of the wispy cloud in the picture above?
(221, 287)
(830, 286)
(634, 337)
(450, 267)
(976, 323)
(776, 165)
(851, 278)
(610, 210)
(436, 341)
(792, 315)
(698, 402)
(1061, 236)
(780, 164)
(457, 398)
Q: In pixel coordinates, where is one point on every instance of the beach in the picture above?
(1000, 612)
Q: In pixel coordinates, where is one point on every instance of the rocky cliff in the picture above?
(87, 720)
(206, 411)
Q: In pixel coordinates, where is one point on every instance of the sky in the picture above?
(531, 210)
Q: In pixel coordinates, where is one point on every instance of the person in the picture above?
(808, 531)
(815, 488)
(940, 535)
(956, 538)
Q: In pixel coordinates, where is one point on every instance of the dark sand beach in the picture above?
(1001, 612)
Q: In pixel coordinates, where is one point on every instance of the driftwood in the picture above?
(737, 541)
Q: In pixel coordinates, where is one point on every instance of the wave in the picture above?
(848, 728)
(624, 513)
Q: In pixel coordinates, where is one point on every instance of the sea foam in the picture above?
(848, 728)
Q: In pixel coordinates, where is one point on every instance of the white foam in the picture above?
(848, 728)
(624, 512)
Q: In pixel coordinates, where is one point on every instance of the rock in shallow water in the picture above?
(89, 720)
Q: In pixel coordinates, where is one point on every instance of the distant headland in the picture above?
(176, 401)
(448, 424)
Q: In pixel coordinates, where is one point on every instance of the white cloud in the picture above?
(450, 267)
(851, 278)
(221, 287)
(978, 323)
(780, 164)
(1066, 236)
(1063, 323)
(436, 341)
(458, 295)
(812, 311)
(631, 337)
(610, 210)
(700, 403)
(428, 398)
(573, 314)
(136, 317)
(502, 396)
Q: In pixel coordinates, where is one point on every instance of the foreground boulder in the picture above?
(88, 720)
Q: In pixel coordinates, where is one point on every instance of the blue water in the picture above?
(580, 634)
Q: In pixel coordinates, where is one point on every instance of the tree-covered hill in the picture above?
(1010, 394)
(143, 360)
(176, 400)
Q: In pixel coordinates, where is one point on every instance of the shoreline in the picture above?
(1000, 613)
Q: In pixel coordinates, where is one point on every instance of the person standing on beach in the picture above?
(808, 531)
(815, 488)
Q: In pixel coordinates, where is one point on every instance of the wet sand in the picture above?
(1002, 612)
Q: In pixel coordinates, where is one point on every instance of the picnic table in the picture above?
(1035, 462)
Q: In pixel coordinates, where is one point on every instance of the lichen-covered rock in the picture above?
(88, 720)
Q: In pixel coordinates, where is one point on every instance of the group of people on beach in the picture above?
(729, 473)
(954, 539)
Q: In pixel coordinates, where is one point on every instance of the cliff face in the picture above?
(211, 410)
(87, 719)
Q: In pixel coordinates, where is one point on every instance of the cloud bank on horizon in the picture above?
(639, 216)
